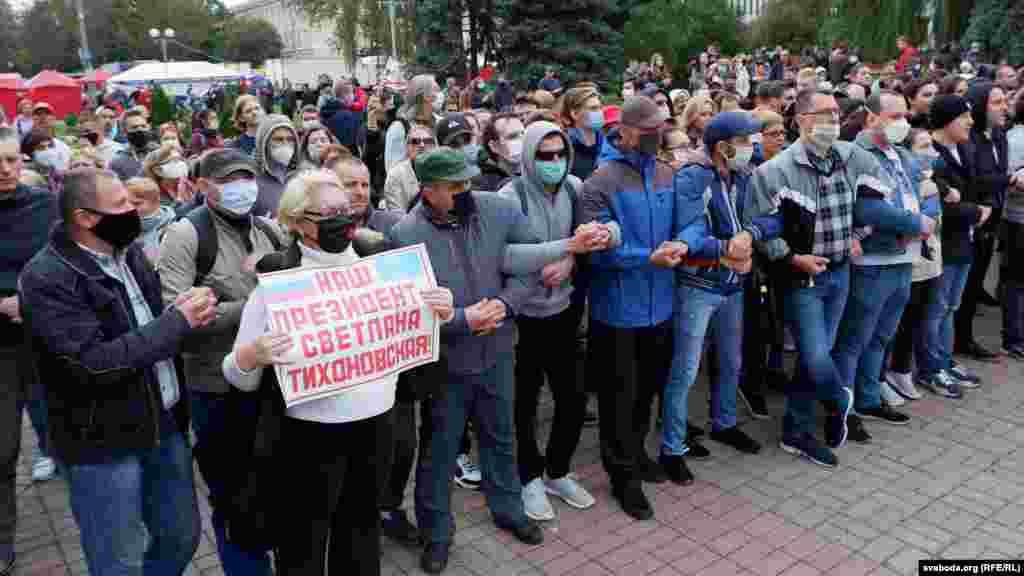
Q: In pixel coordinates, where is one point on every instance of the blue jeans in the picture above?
(878, 295)
(488, 396)
(137, 513)
(1013, 314)
(940, 317)
(699, 312)
(217, 420)
(813, 315)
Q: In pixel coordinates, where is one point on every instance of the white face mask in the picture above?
(896, 132)
(823, 136)
(515, 150)
(282, 154)
(309, 124)
(239, 197)
(175, 169)
(314, 152)
(741, 159)
(48, 157)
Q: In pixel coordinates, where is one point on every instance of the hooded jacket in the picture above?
(988, 153)
(272, 177)
(584, 157)
(551, 218)
(634, 191)
(346, 125)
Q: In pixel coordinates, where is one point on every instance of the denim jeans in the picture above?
(878, 296)
(1013, 314)
(699, 312)
(812, 315)
(137, 513)
(488, 396)
(217, 420)
(940, 317)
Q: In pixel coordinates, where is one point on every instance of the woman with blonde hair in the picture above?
(583, 118)
(247, 116)
(167, 167)
(335, 513)
(145, 197)
(699, 111)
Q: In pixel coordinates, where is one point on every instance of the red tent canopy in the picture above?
(11, 88)
(57, 90)
(97, 76)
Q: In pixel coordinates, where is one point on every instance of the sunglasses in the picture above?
(550, 155)
(421, 142)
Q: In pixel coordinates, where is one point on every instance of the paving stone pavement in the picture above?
(948, 485)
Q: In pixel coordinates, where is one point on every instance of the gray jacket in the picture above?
(550, 216)
(467, 259)
(272, 177)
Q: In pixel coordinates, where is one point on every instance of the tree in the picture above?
(47, 43)
(253, 40)
(790, 23)
(363, 26)
(190, 19)
(681, 30)
(874, 25)
(163, 108)
(998, 25)
(9, 33)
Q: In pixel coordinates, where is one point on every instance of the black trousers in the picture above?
(984, 246)
(912, 326)
(630, 365)
(332, 509)
(18, 377)
(763, 330)
(547, 348)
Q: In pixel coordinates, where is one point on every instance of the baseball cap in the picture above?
(945, 108)
(225, 162)
(444, 164)
(641, 112)
(450, 126)
(729, 125)
(612, 115)
(42, 106)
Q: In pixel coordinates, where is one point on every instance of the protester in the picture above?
(275, 155)
(503, 145)
(205, 133)
(418, 108)
(402, 185)
(156, 217)
(43, 117)
(104, 148)
(699, 110)
(127, 163)
(344, 124)
(23, 122)
(248, 116)
(582, 115)
(315, 138)
(1013, 240)
(167, 167)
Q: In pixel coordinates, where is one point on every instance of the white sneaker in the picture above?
(568, 489)
(467, 473)
(43, 469)
(903, 384)
(889, 396)
(535, 501)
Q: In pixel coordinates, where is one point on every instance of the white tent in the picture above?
(176, 73)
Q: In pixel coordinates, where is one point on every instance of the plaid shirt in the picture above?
(833, 225)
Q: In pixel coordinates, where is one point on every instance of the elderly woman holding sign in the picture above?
(314, 466)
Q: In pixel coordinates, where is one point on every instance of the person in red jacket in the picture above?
(907, 54)
(361, 97)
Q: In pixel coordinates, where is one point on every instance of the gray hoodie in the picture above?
(273, 176)
(550, 217)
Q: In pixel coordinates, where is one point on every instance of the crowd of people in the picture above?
(597, 248)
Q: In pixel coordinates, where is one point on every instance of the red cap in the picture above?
(612, 115)
(41, 105)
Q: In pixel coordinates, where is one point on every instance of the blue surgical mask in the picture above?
(239, 197)
(472, 153)
(551, 173)
(595, 120)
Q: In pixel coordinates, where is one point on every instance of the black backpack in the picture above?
(206, 255)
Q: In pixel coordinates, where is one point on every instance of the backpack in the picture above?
(202, 221)
(521, 192)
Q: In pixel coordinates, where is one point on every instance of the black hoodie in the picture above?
(988, 155)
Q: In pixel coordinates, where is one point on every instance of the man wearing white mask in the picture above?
(276, 143)
(225, 226)
(503, 141)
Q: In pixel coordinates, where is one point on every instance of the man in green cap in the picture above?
(466, 234)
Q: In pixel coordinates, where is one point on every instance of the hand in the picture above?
(484, 317)
(928, 225)
(986, 211)
(586, 239)
(198, 305)
(856, 250)
(953, 196)
(810, 264)
(739, 246)
(268, 349)
(440, 301)
(10, 307)
(669, 255)
(742, 266)
(557, 272)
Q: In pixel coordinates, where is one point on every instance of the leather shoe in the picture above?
(527, 533)
(650, 471)
(676, 469)
(976, 351)
(435, 558)
(633, 500)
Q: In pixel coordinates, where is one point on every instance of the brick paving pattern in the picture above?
(948, 485)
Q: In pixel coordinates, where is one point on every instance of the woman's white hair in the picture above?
(299, 194)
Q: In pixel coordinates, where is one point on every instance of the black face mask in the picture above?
(92, 137)
(118, 230)
(138, 138)
(463, 206)
(209, 132)
(332, 233)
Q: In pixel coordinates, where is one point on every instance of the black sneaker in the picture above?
(776, 380)
(693, 431)
(857, 433)
(633, 500)
(435, 558)
(884, 413)
(650, 471)
(590, 417)
(755, 403)
(676, 469)
(808, 447)
(7, 564)
(976, 351)
(1015, 352)
(695, 450)
(988, 299)
(527, 533)
(835, 424)
(736, 438)
(395, 525)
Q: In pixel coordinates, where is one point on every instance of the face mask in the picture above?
(333, 233)
(741, 159)
(464, 206)
(595, 120)
(175, 169)
(551, 173)
(92, 137)
(665, 110)
(896, 132)
(648, 144)
(627, 92)
(118, 230)
(48, 157)
(171, 141)
(471, 153)
(149, 223)
(282, 154)
(314, 152)
(309, 124)
(239, 197)
(209, 132)
(515, 150)
(823, 136)
(138, 138)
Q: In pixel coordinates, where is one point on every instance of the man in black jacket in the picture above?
(108, 350)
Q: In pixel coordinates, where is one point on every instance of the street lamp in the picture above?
(163, 37)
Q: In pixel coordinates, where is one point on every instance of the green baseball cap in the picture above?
(444, 164)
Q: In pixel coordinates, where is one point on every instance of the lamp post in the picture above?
(163, 38)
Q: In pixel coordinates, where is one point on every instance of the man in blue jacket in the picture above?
(880, 277)
(708, 220)
(631, 299)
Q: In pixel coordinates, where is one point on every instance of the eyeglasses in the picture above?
(824, 114)
(422, 142)
(780, 133)
(549, 155)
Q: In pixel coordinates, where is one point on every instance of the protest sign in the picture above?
(352, 324)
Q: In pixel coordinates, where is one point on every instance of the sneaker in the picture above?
(808, 447)
(966, 378)
(467, 473)
(7, 564)
(43, 469)
(1015, 352)
(535, 501)
(835, 424)
(395, 525)
(884, 413)
(755, 403)
(695, 450)
(649, 471)
(527, 533)
(976, 351)
(943, 384)
(693, 431)
(903, 384)
(857, 432)
(633, 500)
(736, 438)
(676, 469)
(434, 558)
(571, 491)
(889, 395)
(590, 417)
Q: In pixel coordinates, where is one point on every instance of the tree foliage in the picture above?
(441, 50)
(363, 27)
(874, 25)
(999, 26)
(253, 40)
(790, 23)
(163, 108)
(681, 30)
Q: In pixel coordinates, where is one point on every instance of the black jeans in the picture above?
(984, 245)
(17, 373)
(336, 474)
(912, 327)
(403, 455)
(631, 366)
(763, 330)
(547, 347)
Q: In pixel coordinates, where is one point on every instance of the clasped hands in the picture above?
(738, 253)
